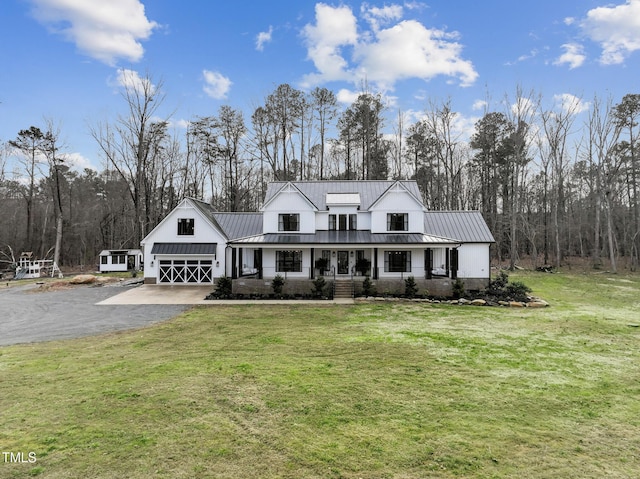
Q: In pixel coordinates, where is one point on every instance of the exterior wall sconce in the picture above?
(151, 264)
(333, 254)
(217, 264)
(352, 253)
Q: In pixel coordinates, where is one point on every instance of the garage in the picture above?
(185, 271)
(184, 263)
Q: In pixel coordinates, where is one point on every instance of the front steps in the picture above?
(343, 289)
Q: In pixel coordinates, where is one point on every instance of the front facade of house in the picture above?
(341, 229)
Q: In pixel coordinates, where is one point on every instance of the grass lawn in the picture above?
(392, 390)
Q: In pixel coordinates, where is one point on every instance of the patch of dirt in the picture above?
(62, 285)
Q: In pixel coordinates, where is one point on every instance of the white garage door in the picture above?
(185, 271)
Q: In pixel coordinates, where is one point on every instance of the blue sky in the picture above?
(64, 59)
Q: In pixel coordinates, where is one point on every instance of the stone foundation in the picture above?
(395, 286)
(263, 286)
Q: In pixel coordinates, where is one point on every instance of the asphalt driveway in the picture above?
(28, 315)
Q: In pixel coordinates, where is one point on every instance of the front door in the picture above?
(343, 262)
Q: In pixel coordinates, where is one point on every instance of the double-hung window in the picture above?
(289, 222)
(397, 222)
(185, 226)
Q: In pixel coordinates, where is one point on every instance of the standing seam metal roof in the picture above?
(316, 191)
(465, 226)
(239, 225)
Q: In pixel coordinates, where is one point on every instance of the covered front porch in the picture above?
(390, 261)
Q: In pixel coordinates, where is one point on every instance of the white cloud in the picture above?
(78, 162)
(262, 38)
(616, 29)
(346, 97)
(131, 80)
(216, 85)
(479, 105)
(573, 56)
(523, 107)
(571, 103)
(426, 53)
(180, 124)
(107, 31)
(377, 16)
(335, 28)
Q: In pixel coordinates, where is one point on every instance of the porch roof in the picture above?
(357, 238)
(184, 249)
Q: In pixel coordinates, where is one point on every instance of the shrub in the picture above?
(458, 289)
(517, 291)
(277, 284)
(501, 290)
(322, 264)
(319, 286)
(410, 287)
(224, 287)
(363, 265)
(367, 287)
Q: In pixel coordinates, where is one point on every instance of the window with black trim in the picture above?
(118, 259)
(343, 222)
(397, 222)
(332, 223)
(103, 259)
(289, 222)
(288, 261)
(186, 226)
(397, 261)
(353, 222)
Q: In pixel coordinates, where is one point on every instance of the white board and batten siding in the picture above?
(167, 232)
(473, 260)
(289, 201)
(397, 201)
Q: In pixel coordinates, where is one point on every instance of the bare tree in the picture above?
(325, 106)
(30, 143)
(50, 149)
(521, 116)
(602, 135)
(552, 144)
(126, 144)
(626, 115)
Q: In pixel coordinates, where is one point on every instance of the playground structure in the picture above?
(30, 268)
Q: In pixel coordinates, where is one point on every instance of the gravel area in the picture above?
(29, 315)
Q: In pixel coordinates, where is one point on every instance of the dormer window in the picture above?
(343, 222)
(289, 222)
(185, 227)
(397, 222)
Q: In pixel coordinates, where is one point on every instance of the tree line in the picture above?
(552, 180)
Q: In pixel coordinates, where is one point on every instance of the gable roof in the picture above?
(402, 186)
(278, 187)
(203, 208)
(465, 226)
(316, 191)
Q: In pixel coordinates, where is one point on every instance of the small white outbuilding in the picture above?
(114, 260)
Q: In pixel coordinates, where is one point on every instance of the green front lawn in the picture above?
(398, 390)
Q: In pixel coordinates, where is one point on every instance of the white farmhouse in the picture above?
(346, 230)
